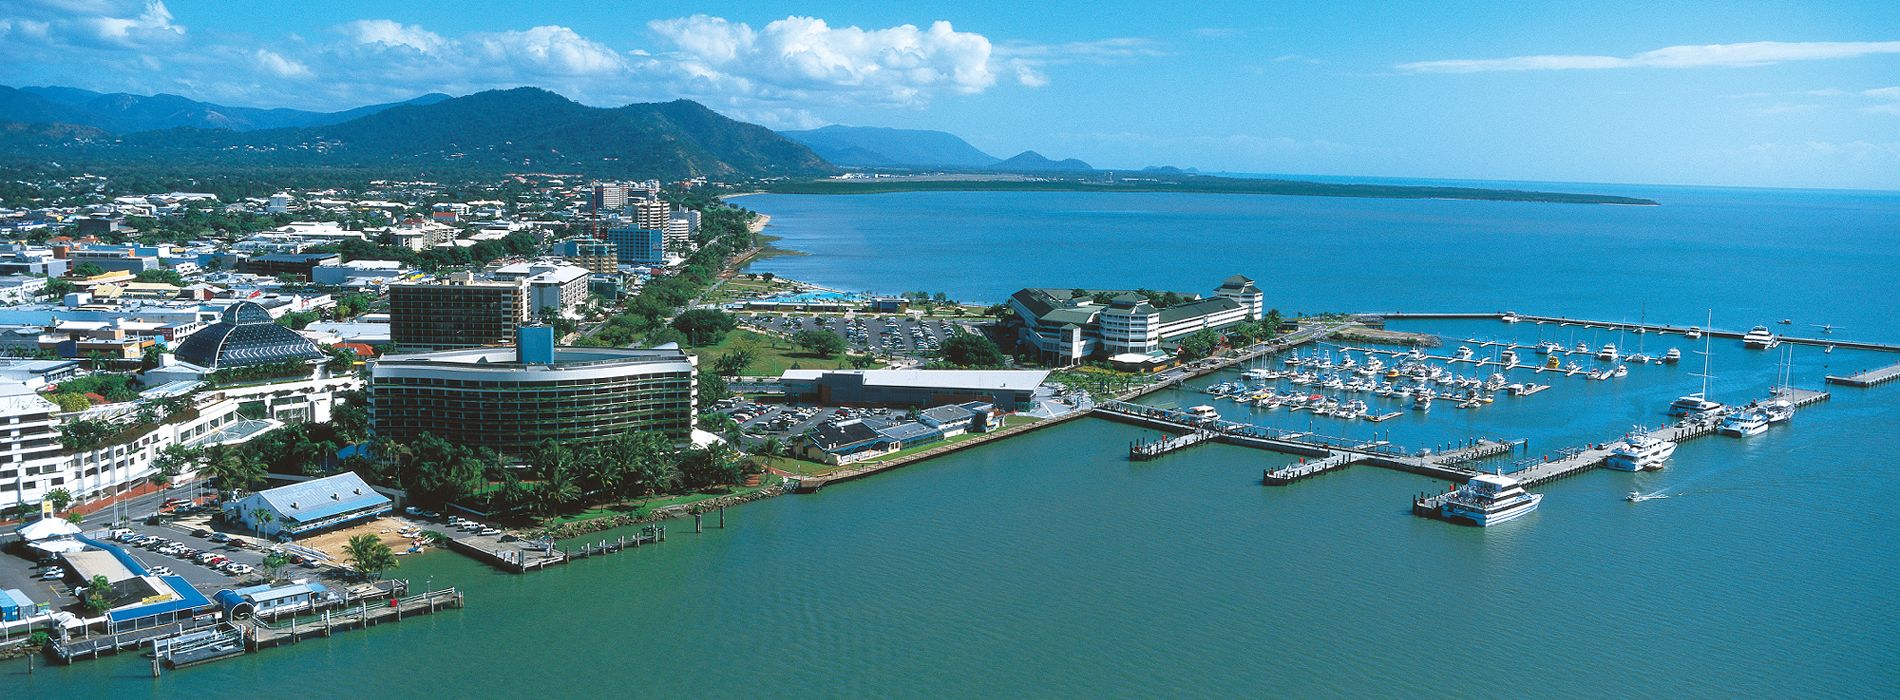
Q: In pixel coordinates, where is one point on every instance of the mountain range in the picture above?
(492, 131)
(881, 147)
(125, 113)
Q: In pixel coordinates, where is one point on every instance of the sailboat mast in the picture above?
(1708, 334)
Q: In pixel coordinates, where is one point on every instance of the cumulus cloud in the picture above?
(780, 73)
(901, 65)
(1886, 93)
(1759, 53)
(393, 34)
(275, 64)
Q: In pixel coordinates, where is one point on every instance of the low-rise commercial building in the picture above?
(914, 388)
(1062, 327)
(308, 507)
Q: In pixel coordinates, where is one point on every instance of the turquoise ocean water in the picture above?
(1049, 565)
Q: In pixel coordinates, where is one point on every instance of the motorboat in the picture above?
(1608, 353)
(1582, 348)
(1463, 352)
(1777, 410)
(1203, 413)
(1639, 497)
(1489, 499)
(1758, 338)
(1640, 452)
(1508, 357)
(1694, 333)
(1747, 422)
(1691, 405)
(1672, 357)
(1620, 371)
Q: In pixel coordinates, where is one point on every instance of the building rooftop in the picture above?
(985, 379)
(506, 358)
(245, 334)
(317, 499)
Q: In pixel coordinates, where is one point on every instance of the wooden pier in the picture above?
(1304, 469)
(1872, 377)
(1143, 450)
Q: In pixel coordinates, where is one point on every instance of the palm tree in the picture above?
(264, 517)
(368, 555)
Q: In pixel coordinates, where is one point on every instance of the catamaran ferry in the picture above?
(1489, 499)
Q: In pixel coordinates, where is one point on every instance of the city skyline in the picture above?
(1776, 95)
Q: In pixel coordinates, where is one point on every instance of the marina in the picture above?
(1660, 328)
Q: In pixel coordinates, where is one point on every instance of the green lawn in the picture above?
(772, 355)
(643, 507)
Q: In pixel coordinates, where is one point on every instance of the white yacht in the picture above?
(1620, 371)
(1422, 400)
(1508, 358)
(1747, 422)
(1691, 405)
(1489, 499)
(1694, 332)
(1203, 413)
(1672, 357)
(1608, 352)
(1463, 353)
(1777, 410)
(1509, 317)
(1760, 339)
(1639, 453)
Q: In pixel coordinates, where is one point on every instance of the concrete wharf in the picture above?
(1627, 326)
(508, 552)
(1872, 377)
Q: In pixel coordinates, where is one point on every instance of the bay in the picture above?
(1050, 566)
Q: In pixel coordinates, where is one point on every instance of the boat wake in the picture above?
(1639, 497)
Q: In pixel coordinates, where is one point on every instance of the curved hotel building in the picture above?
(511, 399)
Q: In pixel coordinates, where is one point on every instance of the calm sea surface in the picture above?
(1049, 565)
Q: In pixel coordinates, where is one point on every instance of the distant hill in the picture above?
(867, 146)
(487, 132)
(126, 113)
(1031, 161)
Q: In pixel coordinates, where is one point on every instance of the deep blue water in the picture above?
(1754, 256)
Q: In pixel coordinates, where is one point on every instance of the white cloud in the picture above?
(1886, 93)
(1882, 109)
(275, 64)
(550, 50)
(802, 56)
(1218, 32)
(394, 34)
(1758, 53)
(154, 23)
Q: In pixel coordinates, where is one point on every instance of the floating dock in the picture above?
(1872, 377)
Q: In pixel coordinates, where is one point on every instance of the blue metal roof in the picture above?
(188, 599)
(317, 499)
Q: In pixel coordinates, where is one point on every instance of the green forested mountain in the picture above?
(493, 131)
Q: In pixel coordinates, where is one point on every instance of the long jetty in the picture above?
(1331, 452)
(1872, 377)
(1628, 326)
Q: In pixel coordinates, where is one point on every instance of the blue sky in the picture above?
(1796, 94)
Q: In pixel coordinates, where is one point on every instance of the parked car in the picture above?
(53, 575)
(220, 537)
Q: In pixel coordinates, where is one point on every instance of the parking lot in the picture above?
(908, 337)
(784, 421)
(187, 545)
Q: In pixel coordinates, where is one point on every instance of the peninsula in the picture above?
(1098, 182)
